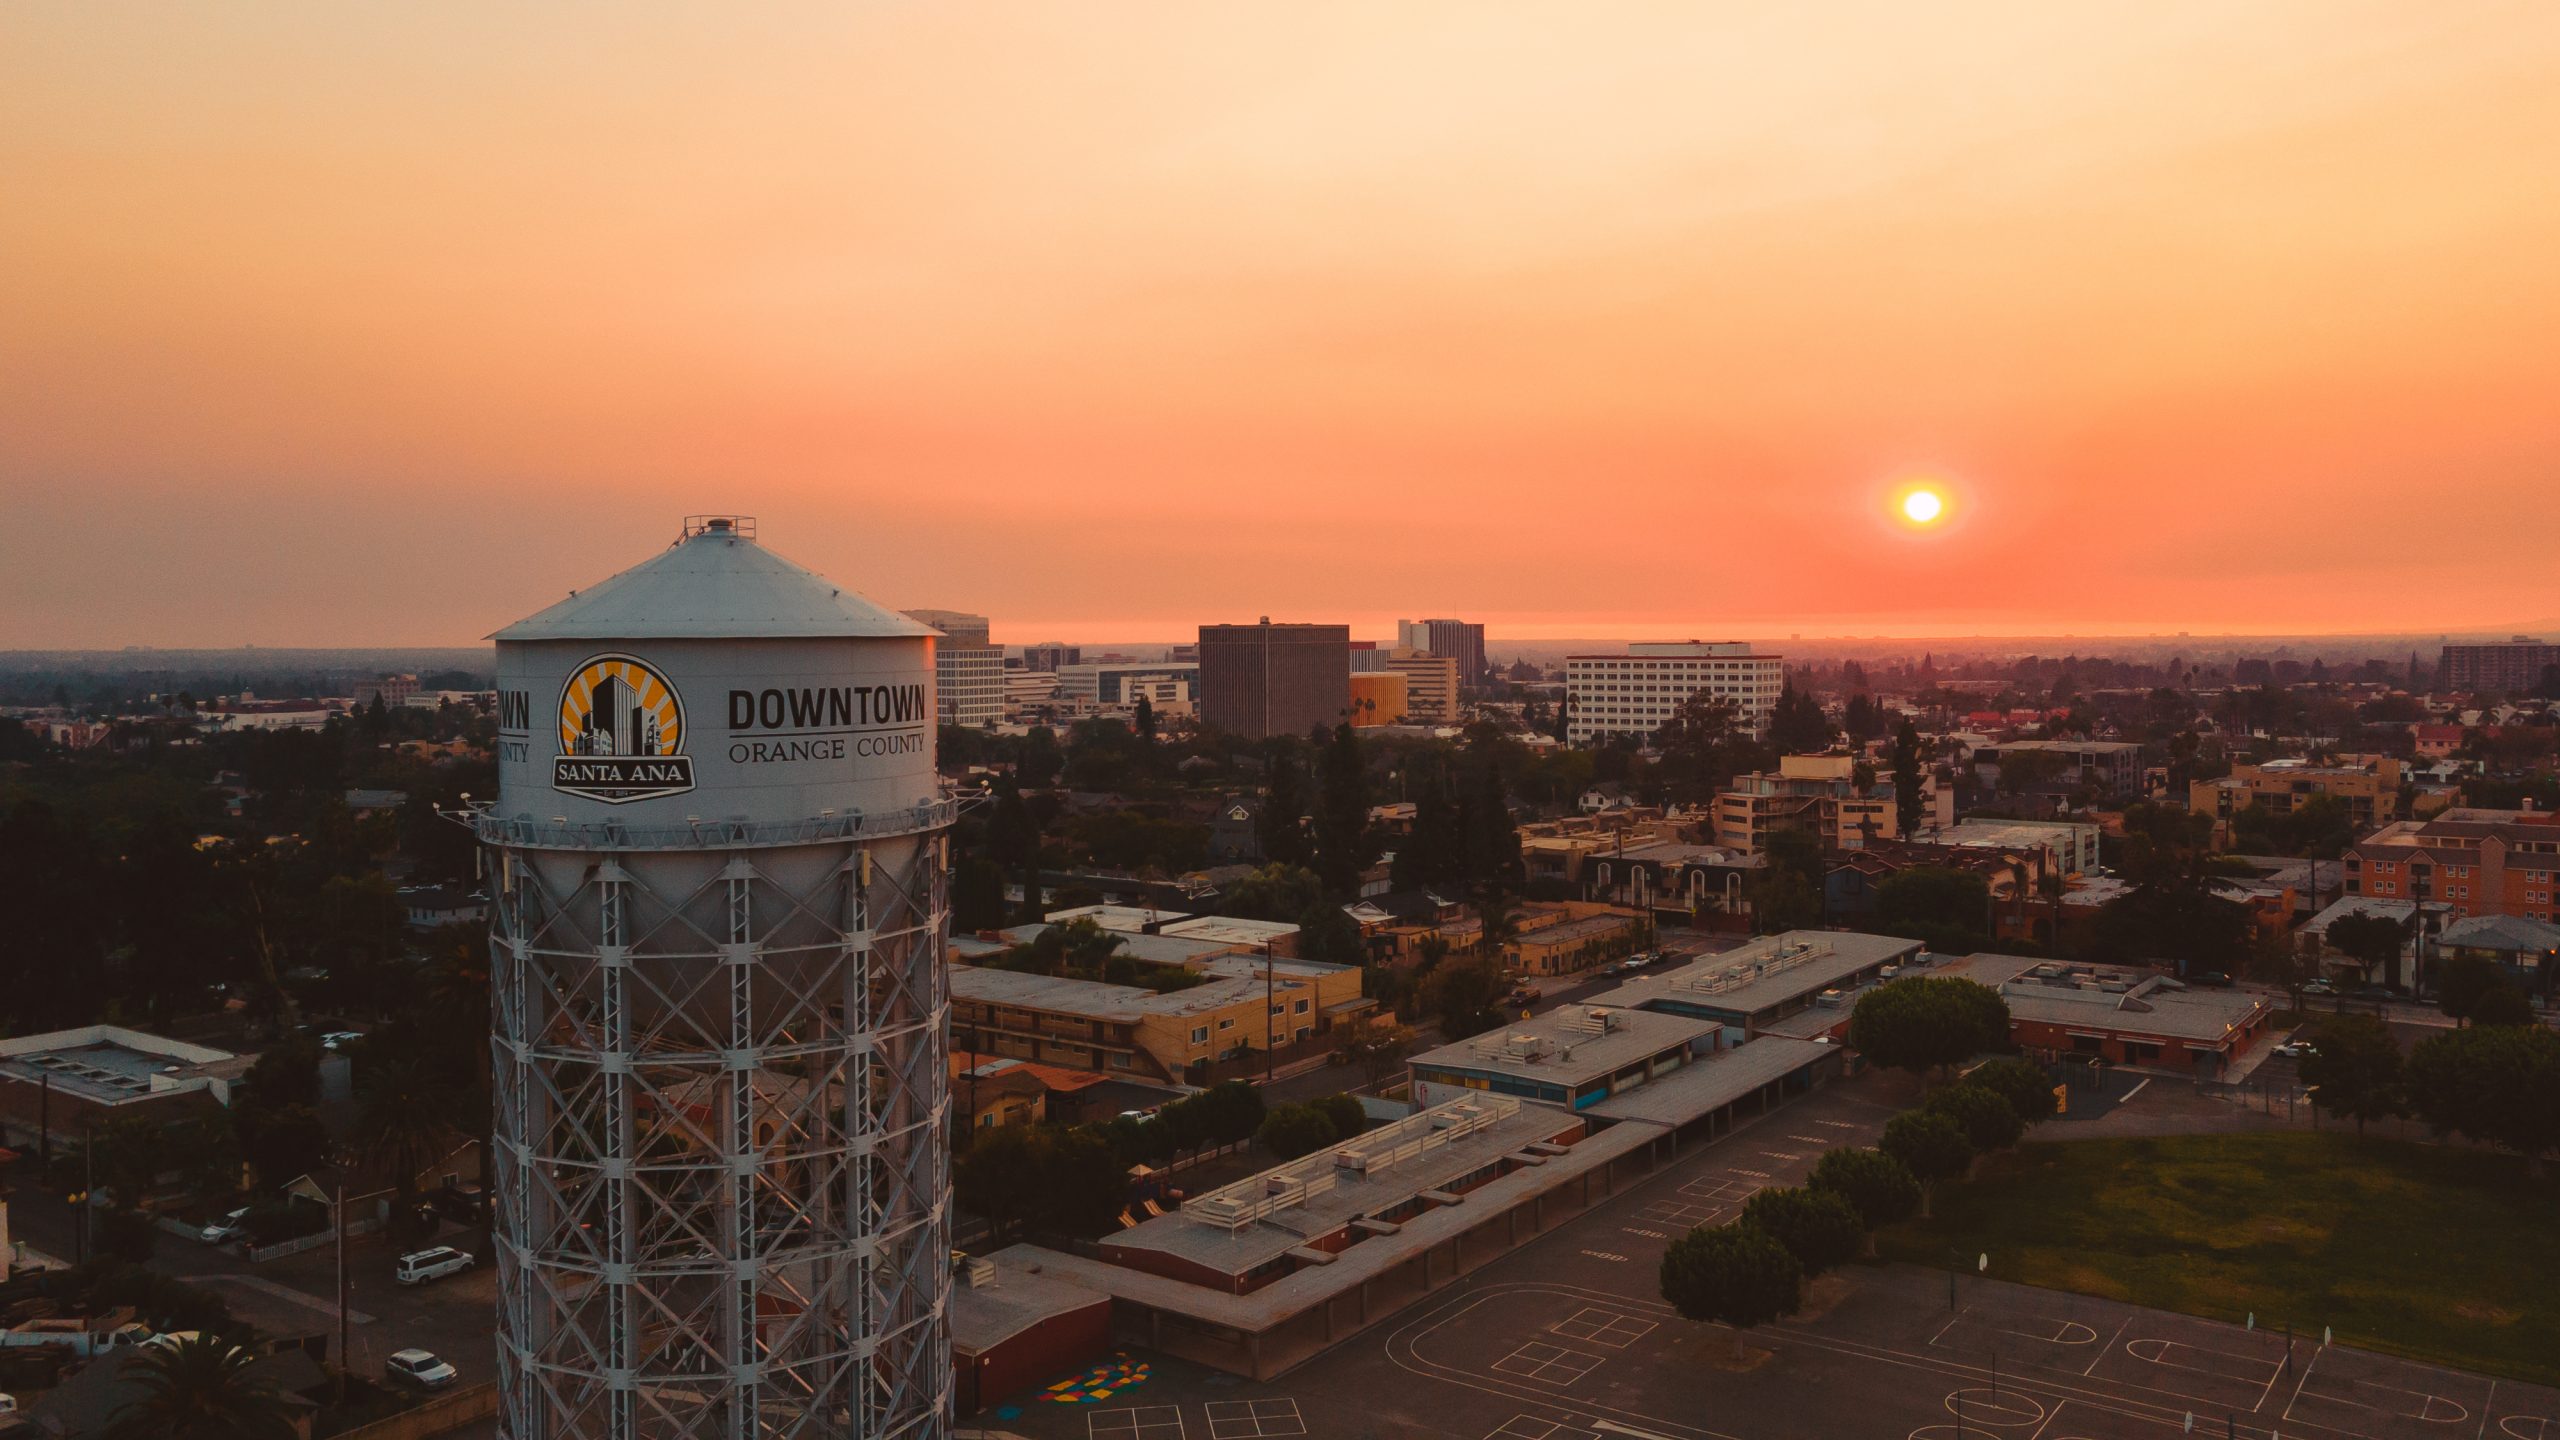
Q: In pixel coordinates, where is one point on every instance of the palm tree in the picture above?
(198, 1387)
(407, 1113)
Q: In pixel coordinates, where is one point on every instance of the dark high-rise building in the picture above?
(1263, 680)
(2515, 667)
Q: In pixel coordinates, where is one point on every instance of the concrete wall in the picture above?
(440, 1416)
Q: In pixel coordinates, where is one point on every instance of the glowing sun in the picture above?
(1923, 507)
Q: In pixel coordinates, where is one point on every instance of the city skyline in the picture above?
(340, 327)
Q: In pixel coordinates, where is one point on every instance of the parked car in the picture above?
(227, 1229)
(1521, 995)
(464, 1201)
(434, 1263)
(340, 1039)
(2376, 992)
(422, 1368)
(2319, 987)
(2297, 1049)
(2214, 978)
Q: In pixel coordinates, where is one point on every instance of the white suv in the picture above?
(443, 1260)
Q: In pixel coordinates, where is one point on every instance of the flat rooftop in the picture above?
(1152, 949)
(1572, 1045)
(2108, 1001)
(1263, 1217)
(1020, 1294)
(1228, 930)
(1128, 919)
(109, 1063)
(1711, 1082)
(1771, 971)
(1096, 1000)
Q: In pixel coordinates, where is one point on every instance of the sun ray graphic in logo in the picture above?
(621, 733)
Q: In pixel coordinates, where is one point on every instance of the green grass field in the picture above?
(2442, 1254)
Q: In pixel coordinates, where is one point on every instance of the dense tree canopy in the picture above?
(2496, 1084)
(1820, 1228)
(1881, 1188)
(1922, 1022)
(1736, 1275)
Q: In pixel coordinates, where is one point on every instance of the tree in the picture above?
(1986, 1117)
(1492, 838)
(2354, 1070)
(1234, 1110)
(1345, 1113)
(1906, 779)
(407, 1115)
(1881, 1187)
(2372, 941)
(1736, 1275)
(1929, 1146)
(1820, 1228)
(1947, 910)
(1797, 725)
(999, 1178)
(1919, 1023)
(287, 1072)
(280, 1142)
(2023, 1084)
(1379, 1050)
(1082, 1186)
(2503, 1003)
(198, 1387)
(2497, 1084)
(1290, 1131)
(2286, 961)
(1346, 843)
(1460, 994)
(2462, 981)
(1145, 719)
(1787, 893)
(1279, 827)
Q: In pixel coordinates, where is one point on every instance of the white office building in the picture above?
(968, 670)
(1636, 693)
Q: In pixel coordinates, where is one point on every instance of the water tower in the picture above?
(720, 1011)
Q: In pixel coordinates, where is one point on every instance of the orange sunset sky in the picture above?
(385, 324)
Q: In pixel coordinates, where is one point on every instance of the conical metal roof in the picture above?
(714, 583)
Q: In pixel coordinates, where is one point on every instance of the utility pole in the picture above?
(44, 1118)
(88, 1183)
(338, 1218)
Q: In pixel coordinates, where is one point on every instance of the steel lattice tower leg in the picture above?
(722, 1179)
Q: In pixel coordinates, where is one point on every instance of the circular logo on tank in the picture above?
(622, 733)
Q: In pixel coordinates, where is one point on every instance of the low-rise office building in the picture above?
(1637, 692)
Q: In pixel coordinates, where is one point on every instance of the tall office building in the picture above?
(1264, 680)
(968, 669)
(1451, 640)
(2516, 666)
(1637, 692)
(1051, 655)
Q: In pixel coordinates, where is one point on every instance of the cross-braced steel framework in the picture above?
(722, 1173)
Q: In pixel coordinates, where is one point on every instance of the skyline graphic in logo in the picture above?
(621, 733)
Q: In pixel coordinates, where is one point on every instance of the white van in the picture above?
(435, 1264)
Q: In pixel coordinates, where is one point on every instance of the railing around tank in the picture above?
(526, 833)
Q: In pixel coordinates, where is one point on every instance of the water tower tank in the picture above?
(720, 1011)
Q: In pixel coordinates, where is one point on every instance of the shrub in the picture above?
(1987, 1119)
